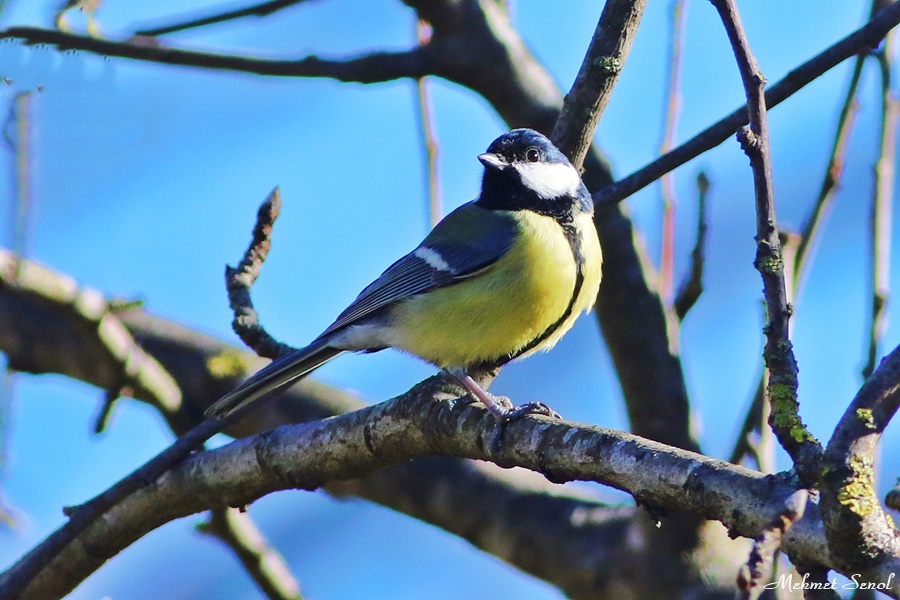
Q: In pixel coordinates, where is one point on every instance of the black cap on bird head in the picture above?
(524, 170)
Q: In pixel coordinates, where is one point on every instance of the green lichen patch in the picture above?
(865, 417)
(227, 365)
(858, 494)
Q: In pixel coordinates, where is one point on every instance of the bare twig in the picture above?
(864, 38)
(426, 130)
(667, 254)
(880, 215)
(754, 420)
(812, 227)
(692, 287)
(17, 134)
(753, 577)
(599, 72)
(239, 280)
(781, 390)
(262, 9)
(367, 68)
(860, 535)
(264, 564)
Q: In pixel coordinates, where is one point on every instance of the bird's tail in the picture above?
(273, 376)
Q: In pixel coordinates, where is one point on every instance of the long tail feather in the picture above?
(273, 376)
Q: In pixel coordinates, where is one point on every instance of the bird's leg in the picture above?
(499, 406)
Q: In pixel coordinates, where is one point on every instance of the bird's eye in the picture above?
(532, 155)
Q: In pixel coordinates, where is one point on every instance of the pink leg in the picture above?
(502, 411)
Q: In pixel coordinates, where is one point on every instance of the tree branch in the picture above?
(262, 9)
(236, 530)
(307, 456)
(368, 68)
(880, 213)
(692, 287)
(603, 61)
(865, 38)
(753, 577)
(778, 353)
(860, 535)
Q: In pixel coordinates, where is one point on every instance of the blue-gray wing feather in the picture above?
(467, 241)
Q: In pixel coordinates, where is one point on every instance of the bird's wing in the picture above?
(463, 244)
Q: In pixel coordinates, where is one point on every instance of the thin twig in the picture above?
(880, 215)
(865, 38)
(368, 68)
(667, 253)
(262, 562)
(754, 575)
(812, 227)
(239, 280)
(263, 9)
(754, 420)
(778, 353)
(692, 287)
(426, 130)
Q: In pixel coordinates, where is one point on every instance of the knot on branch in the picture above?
(749, 141)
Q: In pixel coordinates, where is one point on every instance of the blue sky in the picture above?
(147, 179)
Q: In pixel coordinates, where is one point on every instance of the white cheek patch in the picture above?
(549, 180)
(434, 260)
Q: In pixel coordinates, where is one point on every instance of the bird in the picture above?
(499, 278)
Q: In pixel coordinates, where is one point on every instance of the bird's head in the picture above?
(524, 170)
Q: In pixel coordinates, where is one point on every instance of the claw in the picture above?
(500, 406)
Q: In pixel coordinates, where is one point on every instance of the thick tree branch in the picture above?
(865, 38)
(307, 456)
(860, 535)
(778, 353)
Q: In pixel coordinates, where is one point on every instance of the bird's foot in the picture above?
(505, 411)
(500, 406)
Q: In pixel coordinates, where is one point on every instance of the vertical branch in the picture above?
(429, 143)
(778, 353)
(880, 215)
(692, 287)
(16, 133)
(667, 253)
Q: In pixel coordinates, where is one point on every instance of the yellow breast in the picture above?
(498, 312)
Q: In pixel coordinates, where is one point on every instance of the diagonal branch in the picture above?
(306, 456)
(265, 565)
(262, 9)
(865, 38)
(596, 78)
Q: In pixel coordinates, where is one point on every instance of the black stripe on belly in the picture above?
(573, 236)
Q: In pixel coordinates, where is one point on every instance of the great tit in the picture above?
(499, 278)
